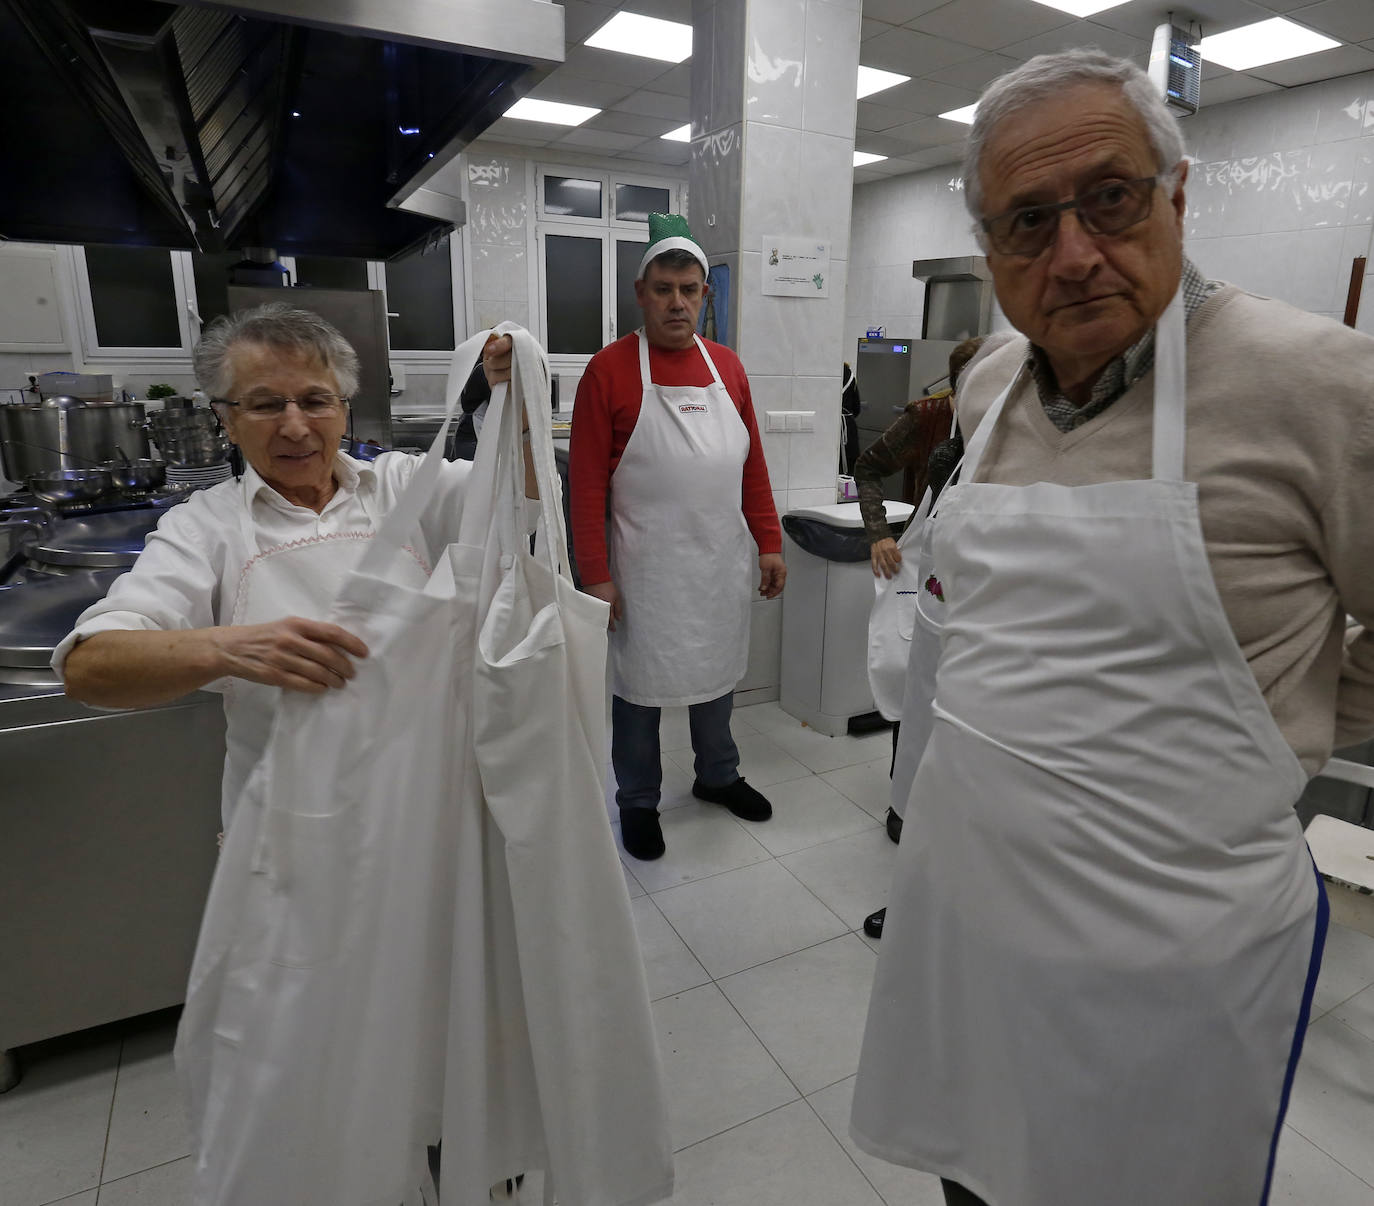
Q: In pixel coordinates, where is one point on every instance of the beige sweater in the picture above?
(1281, 444)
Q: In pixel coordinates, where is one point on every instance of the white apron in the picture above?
(366, 979)
(299, 578)
(680, 548)
(892, 620)
(1104, 927)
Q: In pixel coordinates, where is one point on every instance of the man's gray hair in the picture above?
(277, 325)
(1049, 75)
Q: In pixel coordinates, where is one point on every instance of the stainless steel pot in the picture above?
(100, 433)
(71, 485)
(30, 439)
(188, 437)
(138, 476)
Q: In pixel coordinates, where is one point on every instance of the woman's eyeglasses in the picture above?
(315, 405)
(1107, 209)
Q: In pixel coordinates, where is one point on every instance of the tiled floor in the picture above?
(760, 983)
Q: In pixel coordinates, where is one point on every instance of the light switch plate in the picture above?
(775, 420)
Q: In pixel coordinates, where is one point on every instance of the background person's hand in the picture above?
(496, 358)
(772, 575)
(607, 592)
(885, 556)
(294, 653)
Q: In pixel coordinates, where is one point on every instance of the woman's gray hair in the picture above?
(1049, 75)
(275, 325)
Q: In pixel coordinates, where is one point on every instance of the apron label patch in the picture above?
(693, 408)
(932, 585)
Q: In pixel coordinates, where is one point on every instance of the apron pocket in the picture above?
(313, 866)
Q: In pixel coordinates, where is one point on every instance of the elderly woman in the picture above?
(229, 593)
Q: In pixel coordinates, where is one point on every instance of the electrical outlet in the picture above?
(794, 420)
(775, 420)
(806, 420)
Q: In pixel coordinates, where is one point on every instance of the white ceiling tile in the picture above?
(882, 117)
(1348, 20)
(990, 24)
(897, 12)
(536, 133)
(882, 144)
(1284, 6)
(1324, 65)
(1234, 87)
(871, 29)
(575, 90)
(601, 140)
(913, 53)
(935, 157)
(630, 123)
(1082, 33)
(628, 69)
(1139, 19)
(656, 151)
(927, 96)
(677, 81)
(930, 132)
(655, 104)
(976, 74)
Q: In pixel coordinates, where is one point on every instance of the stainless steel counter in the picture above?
(108, 823)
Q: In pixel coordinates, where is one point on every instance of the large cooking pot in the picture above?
(36, 615)
(100, 432)
(30, 439)
(103, 541)
(188, 437)
(138, 476)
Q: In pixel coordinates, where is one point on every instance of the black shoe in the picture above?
(894, 826)
(738, 797)
(873, 923)
(641, 834)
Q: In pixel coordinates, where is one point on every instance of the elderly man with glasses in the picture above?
(230, 592)
(1105, 927)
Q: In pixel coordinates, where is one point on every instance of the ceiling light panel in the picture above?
(647, 37)
(964, 115)
(681, 134)
(1264, 42)
(872, 80)
(863, 158)
(554, 112)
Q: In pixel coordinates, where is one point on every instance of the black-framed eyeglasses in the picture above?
(1105, 209)
(317, 404)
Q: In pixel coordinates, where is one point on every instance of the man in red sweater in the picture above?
(664, 426)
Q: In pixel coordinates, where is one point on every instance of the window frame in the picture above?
(580, 230)
(634, 178)
(565, 172)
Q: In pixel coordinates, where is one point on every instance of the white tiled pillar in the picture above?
(773, 109)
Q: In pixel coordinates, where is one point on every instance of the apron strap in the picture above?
(398, 525)
(974, 446)
(645, 377)
(706, 356)
(1171, 385)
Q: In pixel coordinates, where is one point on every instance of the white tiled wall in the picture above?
(500, 211)
(1280, 200)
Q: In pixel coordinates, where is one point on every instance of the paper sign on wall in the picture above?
(795, 267)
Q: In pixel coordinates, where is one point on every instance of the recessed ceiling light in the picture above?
(1080, 8)
(1264, 42)
(681, 134)
(554, 112)
(648, 37)
(864, 157)
(964, 115)
(872, 80)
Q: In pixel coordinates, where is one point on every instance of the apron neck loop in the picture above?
(1170, 413)
(646, 378)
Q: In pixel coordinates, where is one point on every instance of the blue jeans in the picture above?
(635, 750)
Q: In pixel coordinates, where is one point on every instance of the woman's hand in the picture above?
(885, 556)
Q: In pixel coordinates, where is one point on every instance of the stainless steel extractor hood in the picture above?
(311, 126)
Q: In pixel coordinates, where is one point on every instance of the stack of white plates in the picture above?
(183, 477)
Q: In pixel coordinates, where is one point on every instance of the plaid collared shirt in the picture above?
(1121, 373)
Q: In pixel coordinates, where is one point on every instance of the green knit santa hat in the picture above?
(669, 232)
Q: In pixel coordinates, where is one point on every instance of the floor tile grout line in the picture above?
(839, 1142)
(141, 1171)
(736, 1125)
(109, 1121)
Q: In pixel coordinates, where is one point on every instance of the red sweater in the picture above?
(604, 415)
